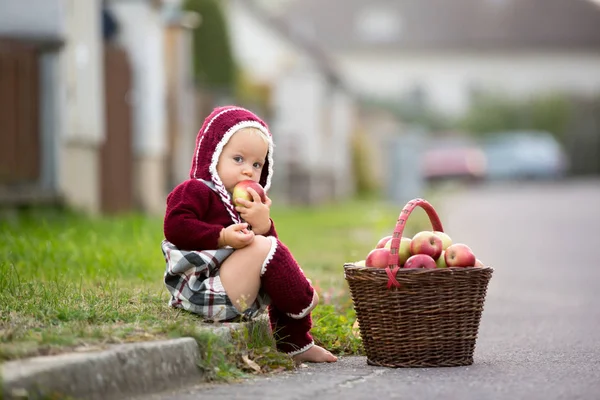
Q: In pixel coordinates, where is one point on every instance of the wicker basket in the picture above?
(415, 317)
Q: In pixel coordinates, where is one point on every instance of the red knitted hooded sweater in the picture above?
(195, 212)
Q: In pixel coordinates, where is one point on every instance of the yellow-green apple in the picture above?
(403, 249)
(383, 241)
(426, 242)
(478, 263)
(459, 255)
(420, 261)
(378, 258)
(446, 240)
(360, 263)
(441, 261)
(240, 191)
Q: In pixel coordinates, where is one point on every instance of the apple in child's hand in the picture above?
(446, 240)
(426, 242)
(459, 255)
(420, 261)
(378, 258)
(403, 249)
(240, 191)
(383, 241)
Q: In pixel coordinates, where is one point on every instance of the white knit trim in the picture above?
(270, 255)
(302, 350)
(307, 310)
(204, 133)
(212, 169)
(270, 159)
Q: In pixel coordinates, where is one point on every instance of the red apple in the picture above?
(420, 261)
(459, 255)
(383, 241)
(403, 249)
(378, 258)
(441, 261)
(446, 240)
(240, 191)
(426, 242)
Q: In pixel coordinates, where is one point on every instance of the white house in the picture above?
(312, 113)
(65, 39)
(444, 50)
(95, 128)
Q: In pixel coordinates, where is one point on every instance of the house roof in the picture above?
(446, 24)
(314, 50)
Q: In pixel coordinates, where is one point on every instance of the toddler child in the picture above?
(225, 262)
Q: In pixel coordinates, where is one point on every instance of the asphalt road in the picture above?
(540, 332)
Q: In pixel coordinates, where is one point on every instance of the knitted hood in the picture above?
(216, 131)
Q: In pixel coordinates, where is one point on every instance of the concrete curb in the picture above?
(121, 371)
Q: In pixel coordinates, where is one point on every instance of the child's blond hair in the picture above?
(256, 131)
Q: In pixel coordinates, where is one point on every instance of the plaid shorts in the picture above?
(192, 278)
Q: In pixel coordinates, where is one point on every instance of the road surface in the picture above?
(540, 332)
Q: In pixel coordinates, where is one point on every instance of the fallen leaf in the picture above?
(254, 366)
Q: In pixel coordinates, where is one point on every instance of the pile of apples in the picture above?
(426, 249)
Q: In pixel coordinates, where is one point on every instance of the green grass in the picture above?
(73, 282)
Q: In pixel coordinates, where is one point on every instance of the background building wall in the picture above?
(142, 35)
(82, 78)
(447, 79)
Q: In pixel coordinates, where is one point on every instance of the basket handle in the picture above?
(436, 224)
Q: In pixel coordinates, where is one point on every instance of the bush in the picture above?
(361, 164)
(494, 113)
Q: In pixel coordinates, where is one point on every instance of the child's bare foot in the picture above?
(315, 354)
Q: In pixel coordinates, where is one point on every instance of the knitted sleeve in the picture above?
(190, 222)
(272, 231)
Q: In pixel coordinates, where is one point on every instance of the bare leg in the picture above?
(240, 272)
(241, 278)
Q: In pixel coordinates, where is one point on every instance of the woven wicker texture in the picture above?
(416, 317)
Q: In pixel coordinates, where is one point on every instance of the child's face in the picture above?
(242, 158)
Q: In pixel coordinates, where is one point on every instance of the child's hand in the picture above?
(236, 236)
(256, 213)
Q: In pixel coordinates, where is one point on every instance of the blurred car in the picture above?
(453, 159)
(518, 155)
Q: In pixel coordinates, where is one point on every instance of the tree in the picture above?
(214, 66)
